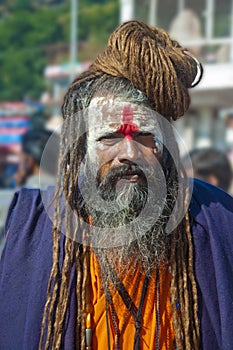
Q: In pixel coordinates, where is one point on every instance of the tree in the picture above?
(27, 27)
(23, 34)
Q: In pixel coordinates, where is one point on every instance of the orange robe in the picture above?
(148, 330)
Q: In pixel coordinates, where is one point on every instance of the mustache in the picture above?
(118, 172)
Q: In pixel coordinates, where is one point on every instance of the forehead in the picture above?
(107, 114)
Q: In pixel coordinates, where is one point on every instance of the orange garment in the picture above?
(148, 329)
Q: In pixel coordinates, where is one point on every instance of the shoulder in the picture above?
(28, 223)
(202, 188)
(211, 200)
(25, 197)
(211, 217)
(27, 204)
(25, 267)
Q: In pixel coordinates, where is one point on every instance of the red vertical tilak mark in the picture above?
(128, 127)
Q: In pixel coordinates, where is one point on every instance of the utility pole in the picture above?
(209, 19)
(231, 33)
(73, 37)
(153, 12)
(181, 6)
(126, 10)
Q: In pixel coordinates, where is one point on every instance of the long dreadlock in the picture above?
(143, 65)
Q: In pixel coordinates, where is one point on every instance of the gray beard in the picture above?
(121, 238)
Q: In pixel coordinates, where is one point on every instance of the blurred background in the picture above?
(44, 44)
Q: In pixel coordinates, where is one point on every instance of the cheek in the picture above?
(92, 151)
(98, 162)
(99, 158)
(150, 153)
(104, 169)
(99, 154)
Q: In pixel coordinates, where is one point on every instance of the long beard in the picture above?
(122, 236)
(145, 243)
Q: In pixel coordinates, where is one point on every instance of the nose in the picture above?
(128, 151)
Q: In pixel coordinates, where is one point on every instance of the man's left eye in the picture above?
(145, 134)
(145, 138)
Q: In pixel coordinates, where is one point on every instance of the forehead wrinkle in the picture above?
(139, 119)
(102, 111)
(101, 107)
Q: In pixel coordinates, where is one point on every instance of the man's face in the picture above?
(124, 188)
(124, 138)
(124, 152)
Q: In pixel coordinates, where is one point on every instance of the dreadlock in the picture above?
(144, 65)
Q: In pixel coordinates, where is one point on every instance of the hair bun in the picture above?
(154, 63)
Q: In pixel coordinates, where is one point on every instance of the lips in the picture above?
(126, 174)
(129, 173)
(130, 176)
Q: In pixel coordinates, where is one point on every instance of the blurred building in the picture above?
(59, 77)
(205, 27)
(14, 122)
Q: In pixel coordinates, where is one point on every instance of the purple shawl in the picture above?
(27, 259)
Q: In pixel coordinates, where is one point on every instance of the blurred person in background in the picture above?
(211, 165)
(114, 267)
(33, 173)
(7, 168)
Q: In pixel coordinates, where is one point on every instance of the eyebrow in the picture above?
(103, 132)
(97, 134)
(120, 134)
(110, 134)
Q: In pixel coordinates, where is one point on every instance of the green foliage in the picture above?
(98, 21)
(28, 27)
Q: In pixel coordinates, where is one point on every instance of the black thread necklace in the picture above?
(135, 312)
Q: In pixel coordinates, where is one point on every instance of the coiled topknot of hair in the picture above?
(153, 62)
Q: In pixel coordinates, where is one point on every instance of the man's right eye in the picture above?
(106, 137)
(110, 137)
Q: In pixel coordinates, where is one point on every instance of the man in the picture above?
(30, 173)
(211, 165)
(136, 262)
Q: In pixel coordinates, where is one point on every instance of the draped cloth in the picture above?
(126, 321)
(27, 259)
